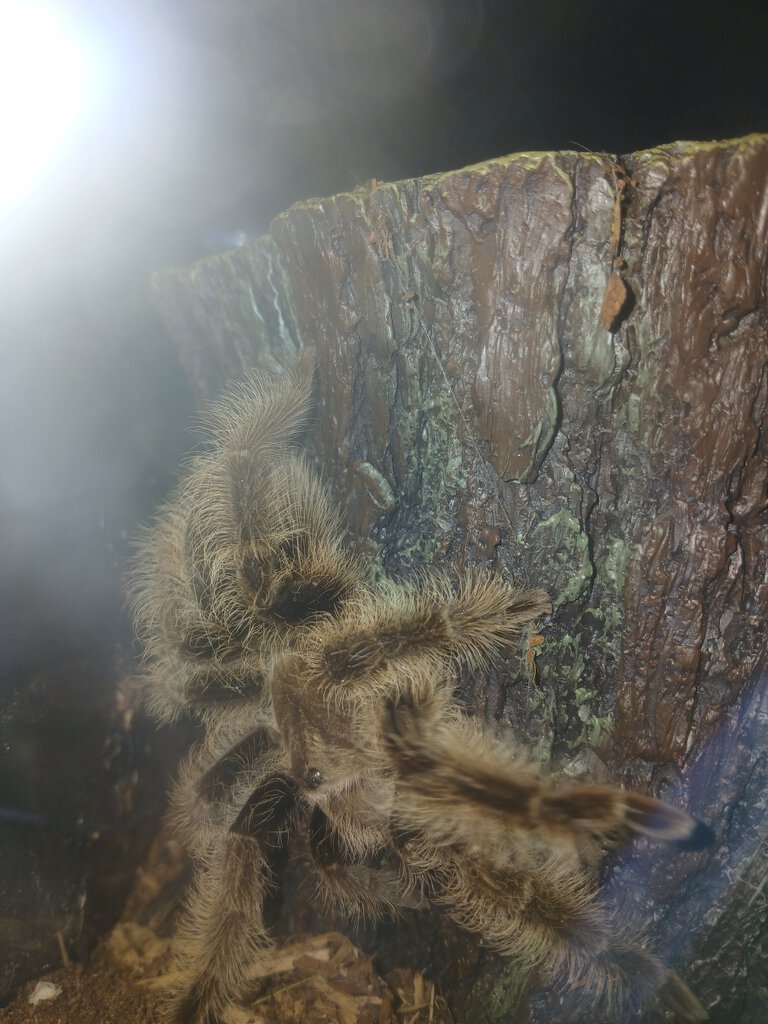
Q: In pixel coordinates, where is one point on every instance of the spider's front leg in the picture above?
(422, 625)
(445, 763)
(234, 805)
(222, 932)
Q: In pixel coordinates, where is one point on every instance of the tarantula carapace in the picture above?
(327, 704)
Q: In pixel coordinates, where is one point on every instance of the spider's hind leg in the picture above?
(359, 873)
(509, 857)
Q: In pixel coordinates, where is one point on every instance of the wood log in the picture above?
(472, 408)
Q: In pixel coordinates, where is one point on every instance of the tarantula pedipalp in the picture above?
(327, 701)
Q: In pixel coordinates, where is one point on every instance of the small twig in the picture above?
(63, 949)
(277, 991)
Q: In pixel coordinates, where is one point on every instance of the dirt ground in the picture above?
(320, 979)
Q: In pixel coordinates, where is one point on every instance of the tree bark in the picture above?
(472, 409)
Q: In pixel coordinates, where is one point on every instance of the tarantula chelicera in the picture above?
(327, 703)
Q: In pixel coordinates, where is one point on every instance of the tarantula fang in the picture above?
(327, 702)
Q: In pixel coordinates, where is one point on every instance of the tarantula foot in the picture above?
(201, 1003)
(654, 818)
(677, 997)
(701, 838)
(187, 1004)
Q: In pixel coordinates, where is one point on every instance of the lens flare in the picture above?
(44, 78)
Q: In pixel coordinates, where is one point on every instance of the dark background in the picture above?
(214, 116)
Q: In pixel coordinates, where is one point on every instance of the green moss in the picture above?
(562, 536)
(610, 580)
(541, 708)
(433, 465)
(595, 728)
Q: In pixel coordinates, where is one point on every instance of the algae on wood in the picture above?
(471, 410)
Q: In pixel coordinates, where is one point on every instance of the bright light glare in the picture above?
(43, 82)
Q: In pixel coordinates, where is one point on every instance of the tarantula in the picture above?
(327, 703)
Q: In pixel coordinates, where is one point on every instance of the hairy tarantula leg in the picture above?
(677, 997)
(218, 776)
(448, 766)
(215, 783)
(268, 812)
(432, 618)
(362, 879)
(324, 841)
(213, 687)
(622, 979)
(532, 905)
(332, 845)
(223, 931)
(263, 412)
